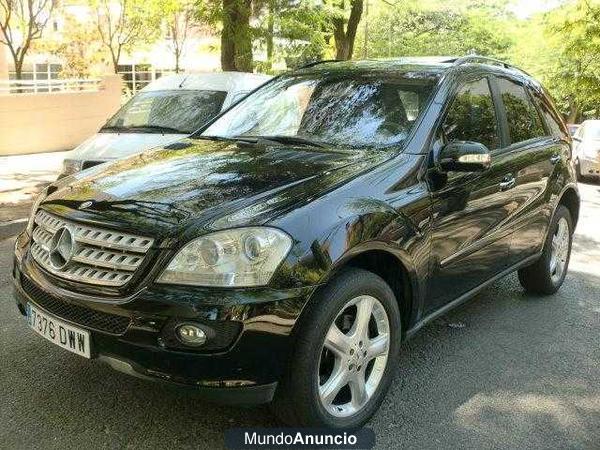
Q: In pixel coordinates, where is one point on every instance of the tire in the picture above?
(547, 274)
(578, 173)
(301, 398)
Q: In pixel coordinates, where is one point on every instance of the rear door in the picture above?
(533, 151)
(470, 232)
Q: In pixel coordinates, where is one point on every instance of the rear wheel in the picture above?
(547, 274)
(346, 352)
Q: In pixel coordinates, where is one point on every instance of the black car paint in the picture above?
(449, 235)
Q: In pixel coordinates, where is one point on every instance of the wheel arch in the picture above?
(395, 268)
(571, 200)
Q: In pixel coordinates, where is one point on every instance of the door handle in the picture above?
(508, 182)
(555, 159)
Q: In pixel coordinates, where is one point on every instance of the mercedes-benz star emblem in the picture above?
(85, 205)
(62, 248)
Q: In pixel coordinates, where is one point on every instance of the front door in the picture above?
(470, 232)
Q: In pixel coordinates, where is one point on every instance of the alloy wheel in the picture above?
(560, 250)
(354, 356)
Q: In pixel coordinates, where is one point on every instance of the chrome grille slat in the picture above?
(102, 257)
(42, 237)
(108, 259)
(95, 236)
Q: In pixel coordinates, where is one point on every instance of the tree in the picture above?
(290, 30)
(181, 18)
(345, 26)
(575, 70)
(236, 36)
(564, 56)
(408, 28)
(124, 24)
(22, 22)
(77, 46)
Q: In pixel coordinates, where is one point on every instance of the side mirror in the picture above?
(464, 156)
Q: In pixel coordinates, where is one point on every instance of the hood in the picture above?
(103, 146)
(162, 192)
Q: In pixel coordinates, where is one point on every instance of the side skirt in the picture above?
(468, 295)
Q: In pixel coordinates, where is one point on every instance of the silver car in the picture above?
(586, 150)
(163, 112)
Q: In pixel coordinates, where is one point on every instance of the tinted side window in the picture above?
(524, 122)
(553, 123)
(472, 116)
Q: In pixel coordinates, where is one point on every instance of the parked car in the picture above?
(166, 110)
(586, 150)
(283, 254)
(573, 128)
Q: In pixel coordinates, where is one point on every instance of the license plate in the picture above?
(58, 332)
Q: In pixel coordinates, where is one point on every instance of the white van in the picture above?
(163, 112)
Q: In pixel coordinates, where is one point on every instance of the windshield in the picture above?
(592, 133)
(172, 111)
(356, 112)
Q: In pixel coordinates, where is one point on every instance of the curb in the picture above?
(12, 228)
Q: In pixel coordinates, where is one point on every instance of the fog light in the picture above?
(191, 334)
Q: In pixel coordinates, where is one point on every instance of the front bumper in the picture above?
(241, 364)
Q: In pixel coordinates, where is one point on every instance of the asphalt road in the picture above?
(506, 371)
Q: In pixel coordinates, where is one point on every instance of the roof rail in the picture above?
(316, 63)
(484, 60)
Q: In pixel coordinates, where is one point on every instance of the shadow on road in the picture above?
(518, 366)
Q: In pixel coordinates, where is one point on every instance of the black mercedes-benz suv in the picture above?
(283, 253)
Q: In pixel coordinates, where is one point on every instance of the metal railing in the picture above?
(45, 86)
(134, 80)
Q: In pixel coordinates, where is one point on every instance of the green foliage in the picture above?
(298, 30)
(561, 48)
(413, 29)
(78, 47)
(124, 25)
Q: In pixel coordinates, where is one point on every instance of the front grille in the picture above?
(101, 257)
(80, 315)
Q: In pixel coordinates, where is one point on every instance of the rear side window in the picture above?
(524, 122)
(472, 116)
(551, 117)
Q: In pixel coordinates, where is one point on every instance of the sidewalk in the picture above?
(21, 178)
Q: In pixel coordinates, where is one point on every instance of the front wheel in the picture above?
(346, 351)
(547, 275)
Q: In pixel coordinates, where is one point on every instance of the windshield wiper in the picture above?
(118, 129)
(158, 128)
(279, 139)
(224, 138)
(143, 129)
(283, 139)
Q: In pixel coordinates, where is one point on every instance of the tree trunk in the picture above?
(115, 60)
(18, 69)
(236, 37)
(344, 39)
(573, 111)
(270, 30)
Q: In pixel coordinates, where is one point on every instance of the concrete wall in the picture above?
(33, 123)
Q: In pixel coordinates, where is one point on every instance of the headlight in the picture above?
(41, 196)
(71, 166)
(240, 257)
